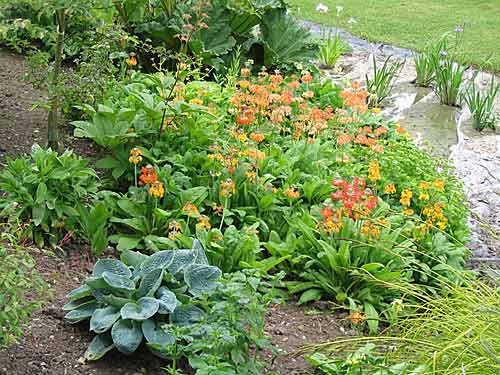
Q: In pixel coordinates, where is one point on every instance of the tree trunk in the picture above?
(53, 123)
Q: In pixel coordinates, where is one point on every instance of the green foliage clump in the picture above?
(44, 190)
(21, 290)
(175, 302)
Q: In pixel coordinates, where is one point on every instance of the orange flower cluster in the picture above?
(356, 200)
(332, 220)
(149, 177)
(356, 98)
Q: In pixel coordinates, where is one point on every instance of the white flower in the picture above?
(339, 9)
(351, 20)
(321, 8)
(459, 29)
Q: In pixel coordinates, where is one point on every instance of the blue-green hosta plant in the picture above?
(170, 301)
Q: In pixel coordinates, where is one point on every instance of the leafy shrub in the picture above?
(21, 289)
(174, 301)
(44, 191)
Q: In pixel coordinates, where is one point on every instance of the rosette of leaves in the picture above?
(129, 301)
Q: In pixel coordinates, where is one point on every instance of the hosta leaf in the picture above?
(127, 336)
(96, 283)
(200, 255)
(158, 260)
(72, 305)
(100, 345)
(185, 315)
(83, 312)
(115, 301)
(80, 292)
(150, 283)
(181, 260)
(167, 300)
(103, 319)
(201, 278)
(143, 309)
(133, 258)
(118, 282)
(113, 266)
(154, 334)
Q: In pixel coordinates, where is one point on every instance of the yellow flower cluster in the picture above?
(374, 171)
(406, 196)
(190, 210)
(390, 189)
(227, 188)
(291, 193)
(435, 216)
(157, 190)
(135, 156)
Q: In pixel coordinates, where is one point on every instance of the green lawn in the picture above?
(411, 23)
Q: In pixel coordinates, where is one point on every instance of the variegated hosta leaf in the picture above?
(118, 282)
(154, 334)
(116, 301)
(80, 292)
(167, 300)
(113, 266)
(72, 305)
(127, 335)
(185, 315)
(85, 311)
(181, 260)
(96, 283)
(159, 260)
(199, 252)
(144, 309)
(100, 345)
(103, 319)
(133, 258)
(201, 278)
(150, 283)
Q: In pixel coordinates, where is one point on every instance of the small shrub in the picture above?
(481, 104)
(44, 190)
(20, 291)
(176, 303)
(380, 86)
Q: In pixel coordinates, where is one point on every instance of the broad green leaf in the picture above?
(150, 283)
(41, 193)
(201, 278)
(116, 301)
(100, 345)
(72, 305)
(154, 334)
(80, 292)
(83, 312)
(111, 266)
(96, 283)
(143, 309)
(38, 213)
(103, 319)
(167, 301)
(200, 255)
(128, 242)
(158, 260)
(133, 258)
(118, 282)
(127, 336)
(372, 317)
(310, 295)
(185, 315)
(181, 260)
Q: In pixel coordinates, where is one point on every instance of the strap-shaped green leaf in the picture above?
(154, 334)
(201, 278)
(144, 309)
(103, 319)
(111, 266)
(167, 301)
(100, 345)
(127, 336)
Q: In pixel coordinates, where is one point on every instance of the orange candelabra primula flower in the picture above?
(148, 175)
(157, 190)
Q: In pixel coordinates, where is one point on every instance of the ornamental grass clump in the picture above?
(382, 82)
(481, 104)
